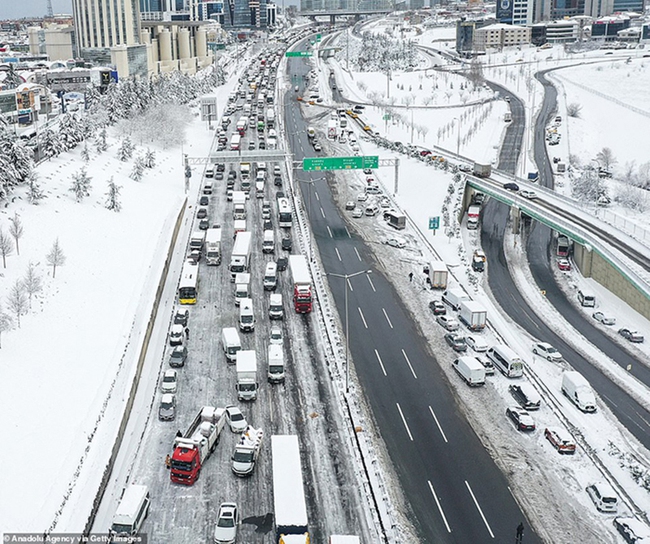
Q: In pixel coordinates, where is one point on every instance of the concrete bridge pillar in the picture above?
(583, 257)
(515, 216)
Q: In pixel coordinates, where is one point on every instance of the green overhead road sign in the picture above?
(298, 54)
(318, 37)
(340, 163)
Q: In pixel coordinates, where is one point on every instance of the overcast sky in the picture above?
(10, 9)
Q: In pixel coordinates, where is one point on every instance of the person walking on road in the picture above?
(410, 276)
(168, 461)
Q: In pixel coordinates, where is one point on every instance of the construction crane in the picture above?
(50, 11)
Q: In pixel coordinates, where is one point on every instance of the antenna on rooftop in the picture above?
(50, 12)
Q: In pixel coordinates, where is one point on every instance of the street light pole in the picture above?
(457, 119)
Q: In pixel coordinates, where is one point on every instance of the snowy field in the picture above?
(75, 346)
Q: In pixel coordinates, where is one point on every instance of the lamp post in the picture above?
(310, 182)
(347, 277)
(457, 119)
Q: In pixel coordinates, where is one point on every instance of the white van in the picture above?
(131, 512)
(259, 189)
(231, 343)
(207, 188)
(275, 364)
(246, 315)
(603, 496)
(276, 309)
(453, 297)
(268, 244)
(576, 387)
(271, 276)
(471, 370)
(586, 299)
(242, 287)
(371, 210)
(506, 360)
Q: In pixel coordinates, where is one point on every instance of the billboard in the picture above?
(505, 11)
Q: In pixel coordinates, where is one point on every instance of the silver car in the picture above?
(167, 408)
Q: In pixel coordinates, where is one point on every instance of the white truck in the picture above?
(275, 359)
(473, 215)
(473, 314)
(213, 246)
(577, 389)
(311, 132)
(438, 275)
(130, 513)
(193, 448)
(246, 374)
(242, 287)
(454, 297)
(241, 252)
(301, 283)
(239, 205)
(268, 243)
(470, 369)
(270, 117)
(231, 343)
(197, 239)
(245, 174)
(332, 129)
(247, 451)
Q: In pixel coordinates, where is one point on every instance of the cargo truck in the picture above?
(332, 129)
(302, 297)
(473, 314)
(438, 275)
(473, 213)
(240, 258)
(239, 205)
(481, 170)
(192, 449)
(247, 451)
(197, 239)
(245, 170)
(242, 287)
(395, 219)
(213, 246)
(563, 246)
(270, 117)
(246, 367)
(289, 503)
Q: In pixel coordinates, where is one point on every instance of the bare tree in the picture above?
(475, 72)
(16, 229)
(32, 282)
(55, 257)
(573, 110)
(605, 158)
(6, 247)
(5, 323)
(17, 300)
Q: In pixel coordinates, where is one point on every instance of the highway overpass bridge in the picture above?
(356, 14)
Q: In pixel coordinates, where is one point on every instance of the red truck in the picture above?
(301, 283)
(193, 448)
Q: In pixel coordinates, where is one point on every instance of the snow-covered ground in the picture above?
(66, 367)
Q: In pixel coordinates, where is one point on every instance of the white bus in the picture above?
(284, 213)
(506, 360)
(188, 286)
(235, 142)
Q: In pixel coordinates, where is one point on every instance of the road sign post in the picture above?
(434, 224)
(340, 163)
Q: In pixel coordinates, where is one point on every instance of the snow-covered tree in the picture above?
(16, 229)
(81, 185)
(55, 257)
(49, 144)
(113, 196)
(573, 110)
(71, 131)
(17, 301)
(150, 159)
(138, 169)
(6, 247)
(101, 143)
(125, 151)
(32, 282)
(34, 191)
(85, 153)
(588, 186)
(5, 323)
(606, 159)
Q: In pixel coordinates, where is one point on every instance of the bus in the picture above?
(188, 286)
(235, 142)
(284, 213)
(506, 360)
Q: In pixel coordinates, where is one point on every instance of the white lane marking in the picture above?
(387, 319)
(349, 284)
(380, 362)
(322, 213)
(479, 509)
(316, 195)
(362, 318)
(409, 363)
(444, 437)
(350, 236)
(435, 498)
(370, 282)
(356, 251)
(330, 232)
(337, 253)
(404, 421)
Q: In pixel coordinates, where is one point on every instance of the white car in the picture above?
(602, 318)
(276, 336)
(236, 419)
(384, 202)
(395, 242)
(449, 323)
(177, 335)
(544, 349)
(169, 381)
(527, 193)
(476, 343)
(227, 522)
(357, 212)
(362, 197)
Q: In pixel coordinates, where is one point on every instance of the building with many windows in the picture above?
(499, 35)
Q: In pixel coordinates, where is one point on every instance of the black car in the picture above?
(221, 167)
(181, 317)
(204, 224)
(282, 264)
(287, 244)
(204, 200)
(261, 144)
(202, 213)
(232, 175)
(218, 176)
(277, 181)
(511, 186)
(178, 356)
(267, 225)
(437, 307)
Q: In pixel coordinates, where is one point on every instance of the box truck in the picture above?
(242, 287)
(301, 283)
(438, 275)
(213, 246)
(239, 205)
(246, 366)
(473, 314)
(482, 170)
(240, 258)
(453, 297)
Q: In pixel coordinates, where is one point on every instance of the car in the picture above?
(477, 343)
(395, 242)
(267, 225)
(560, 439)
(425, 152)
(221, 167)
(261, 144)
(276, 336)
(204, 224)
(225, 531)
(367, 171)
(201, 213)
(465, 168)
(218, 176)
(510, 186)
(456, 341)
(362, 197)
(169, 381)
(277, 181)
(564, 264)
(631, 335)
(251, 146)
(167, 408)
(603, 319)
(631, 529)
(359, 107)
(236, 419)
(437, 307)
(527, 193)
(282, 263)
(181, 317)
(357, 212)
(487, 364)
(384, 202)
(373, 190)
(521, 418)
(544, 349)
(448, 323)
(371, 210)
(232, 175)
(176, 335)
(317, 147)
(204, 200)
(178, 356)
(350, 205)
(287, 243)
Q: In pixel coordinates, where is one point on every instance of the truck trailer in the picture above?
(246, 366)
(241, 251)
(473, 314)
(213, 246)
(438, 275)
(302, 291)
(481, 170)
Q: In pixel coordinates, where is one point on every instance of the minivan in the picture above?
(268, 244)
(586, 299)
(207, 188)
(603, 496)
(131, 512)
(372, 210)
(271, 276)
